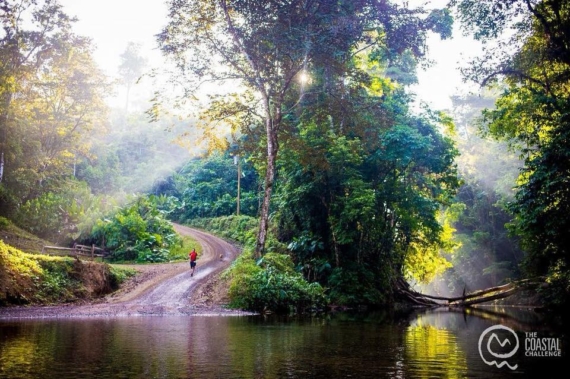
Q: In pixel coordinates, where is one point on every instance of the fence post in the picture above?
(92, 252)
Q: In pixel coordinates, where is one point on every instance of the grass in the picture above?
(120, 274)
(180, 252)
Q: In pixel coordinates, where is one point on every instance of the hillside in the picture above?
(19, 238)
(27, 277)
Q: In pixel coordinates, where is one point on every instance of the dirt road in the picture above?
(159, 289)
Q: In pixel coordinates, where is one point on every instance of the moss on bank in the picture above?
(40, 279)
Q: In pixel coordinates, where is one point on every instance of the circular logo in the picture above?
(510, 339)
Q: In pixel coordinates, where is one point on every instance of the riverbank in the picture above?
(156, 289)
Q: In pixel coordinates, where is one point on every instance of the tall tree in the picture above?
(30, 31)
(131, 68)
(269, 47)
(52, 98)
(366, 207)
(532, 113)
(55, 113)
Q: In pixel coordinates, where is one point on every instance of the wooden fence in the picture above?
(77, 251)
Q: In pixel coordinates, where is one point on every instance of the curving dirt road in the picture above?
(160, 289)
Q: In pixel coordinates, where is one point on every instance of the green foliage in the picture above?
(51, 99)
(58, 281)
(556, 293)
(486, 255)
(238, 228)
(18, 275)
(119, 274)
(268, 284)
(543, 204)
(484, 222)
(272, 284)
(179, 251)
(65, 214)
(138, 232)
(532, 115)
(356, 285)
(268, 47)
(367, 203)
(39, 279)
(20, 239)
(207, 187)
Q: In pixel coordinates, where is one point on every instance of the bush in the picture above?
(238, 228)
(242, 229)
(355, 285)
(179, 252)
(18, 275)
(138, 232)
(272, 284)
(4, 222)
(57, 280)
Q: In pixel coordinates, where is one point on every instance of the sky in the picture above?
(112, 24)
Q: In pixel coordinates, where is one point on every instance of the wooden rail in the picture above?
(76, 251)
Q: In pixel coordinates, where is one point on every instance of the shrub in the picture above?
(356, 285)
(4, 222)
(271, 284)
(242, 229)
(138, 232)
(18, 275)
(180, 251)
(238, 228)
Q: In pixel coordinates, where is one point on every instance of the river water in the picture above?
(423, 344)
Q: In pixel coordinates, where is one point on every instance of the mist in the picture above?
(487, 255)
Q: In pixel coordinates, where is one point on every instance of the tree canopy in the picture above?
(272, 48)
(532, 114)
(51, 99)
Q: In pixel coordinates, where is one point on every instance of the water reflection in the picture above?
(433, 344)
(427, 344)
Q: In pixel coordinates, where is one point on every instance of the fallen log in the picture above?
(477, 297)
(484, 299)
(472, 294)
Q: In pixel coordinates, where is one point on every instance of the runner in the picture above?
(193, 255)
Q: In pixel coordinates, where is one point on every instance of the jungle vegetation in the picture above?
(344, 186)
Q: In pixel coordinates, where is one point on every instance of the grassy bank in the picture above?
(28, 277)
(41, 279)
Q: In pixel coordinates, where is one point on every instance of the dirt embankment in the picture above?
(158, 289)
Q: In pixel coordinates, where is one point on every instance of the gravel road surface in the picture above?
(158, 289)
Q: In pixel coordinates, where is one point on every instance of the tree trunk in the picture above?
(7, 100)
(127, 98)
(272, 148)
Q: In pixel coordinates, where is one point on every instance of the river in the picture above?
(422, 344)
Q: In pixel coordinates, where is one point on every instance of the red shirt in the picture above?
(193, 255)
